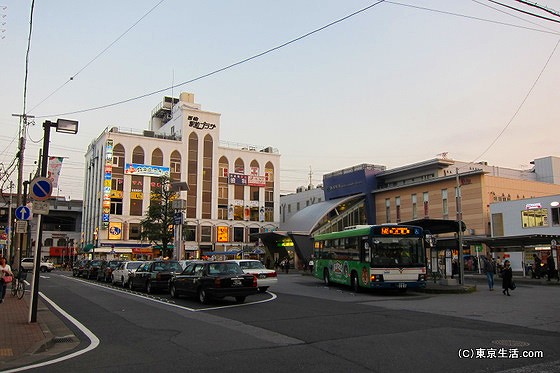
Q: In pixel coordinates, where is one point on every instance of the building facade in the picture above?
(233, 189)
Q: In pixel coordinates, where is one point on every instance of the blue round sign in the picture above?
(40, 188)
(23, 213)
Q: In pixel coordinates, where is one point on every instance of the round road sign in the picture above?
(23, 213)
(40, 188)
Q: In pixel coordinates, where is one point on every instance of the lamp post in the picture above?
(64, 126)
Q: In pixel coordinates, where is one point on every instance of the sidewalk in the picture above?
(23, 343)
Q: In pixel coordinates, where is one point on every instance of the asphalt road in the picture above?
(305, 326)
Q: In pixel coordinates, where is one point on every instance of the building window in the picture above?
(534, 218)
(238, 234)
(426, 205)
(116, 206)
(555, 216)
(206, 233)
(444, 204)
(134, 231)
(414, 207)
(387, 210)
(398, 208)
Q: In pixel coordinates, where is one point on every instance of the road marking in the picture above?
(170, 302)
(94, 341)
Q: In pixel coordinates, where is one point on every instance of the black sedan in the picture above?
(154, 275)
(92, 268)
(208, 280)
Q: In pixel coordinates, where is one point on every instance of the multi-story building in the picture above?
(233, 189)
(370, 194)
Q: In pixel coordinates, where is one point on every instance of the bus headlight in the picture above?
(376, 278)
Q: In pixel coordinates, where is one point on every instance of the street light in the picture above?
(64, 126)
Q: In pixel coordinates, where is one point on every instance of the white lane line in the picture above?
(94, 341)
(170, 303)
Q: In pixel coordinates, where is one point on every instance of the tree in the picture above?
(157, 225)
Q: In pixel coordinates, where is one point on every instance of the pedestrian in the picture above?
(6, 276)
(537, 266)
(507, 278)
(489, 270)
(454, 268)
(551, 267)
(287, 264)
(311, 264)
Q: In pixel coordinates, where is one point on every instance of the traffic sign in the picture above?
(21, 226)
(23, 213)
(40, 188)
(41, 207)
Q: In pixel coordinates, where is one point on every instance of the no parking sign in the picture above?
(40, 188)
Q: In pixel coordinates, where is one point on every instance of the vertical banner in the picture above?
(53, 170)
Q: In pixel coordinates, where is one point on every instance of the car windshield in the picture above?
(168, 266)
(133, 265)
(253, 264)
(224, 269)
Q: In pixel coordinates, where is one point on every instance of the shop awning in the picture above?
(88, 247)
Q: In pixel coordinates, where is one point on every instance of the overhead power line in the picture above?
(220, 69)
(524, 11)
(98, 55)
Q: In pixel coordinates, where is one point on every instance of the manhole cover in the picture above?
(510, 343)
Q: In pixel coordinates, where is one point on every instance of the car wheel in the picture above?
(173, 291)
(43, 269)
(203, 296)
(263, 289)
(240, 299)
(326, 278)
(354, 283)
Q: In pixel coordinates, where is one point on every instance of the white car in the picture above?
(121, 274)
(28, 264)
(265, 277)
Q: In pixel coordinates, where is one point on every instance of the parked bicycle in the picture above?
(18, 284)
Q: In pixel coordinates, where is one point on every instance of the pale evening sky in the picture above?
(395, 84)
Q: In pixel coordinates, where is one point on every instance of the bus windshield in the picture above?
(397, 252)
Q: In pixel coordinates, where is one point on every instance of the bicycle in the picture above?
(18, 285)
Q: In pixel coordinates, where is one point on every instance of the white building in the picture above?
(233, 188)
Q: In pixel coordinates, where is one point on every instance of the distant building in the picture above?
(233, 188)
(370, 194)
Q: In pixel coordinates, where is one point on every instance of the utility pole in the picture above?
(460, 230)
(22, 131)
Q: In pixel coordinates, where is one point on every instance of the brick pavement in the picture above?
(19, 338)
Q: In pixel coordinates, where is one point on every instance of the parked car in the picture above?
(208, 280)
(265, 277)
(106, 270)
(92, 268)
(121, 274)
(154, 275)
(28, 264)
(78, 268)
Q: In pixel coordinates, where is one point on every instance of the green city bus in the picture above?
(388, 256)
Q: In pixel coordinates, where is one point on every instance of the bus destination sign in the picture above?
(395, 231)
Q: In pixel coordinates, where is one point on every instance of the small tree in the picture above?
(157, 225)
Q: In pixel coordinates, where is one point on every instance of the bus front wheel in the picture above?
(326, 278)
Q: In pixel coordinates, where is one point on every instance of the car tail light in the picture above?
(254, 281)
(218, 282)
(271, 274)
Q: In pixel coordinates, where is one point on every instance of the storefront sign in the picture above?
(146, 170)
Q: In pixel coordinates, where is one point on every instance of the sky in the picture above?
(393, 84)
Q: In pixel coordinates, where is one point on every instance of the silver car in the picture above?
(122, 272)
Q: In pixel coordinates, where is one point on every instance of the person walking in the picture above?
(507, 278)
(5, 271)
(489, 270)
(551, 267)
